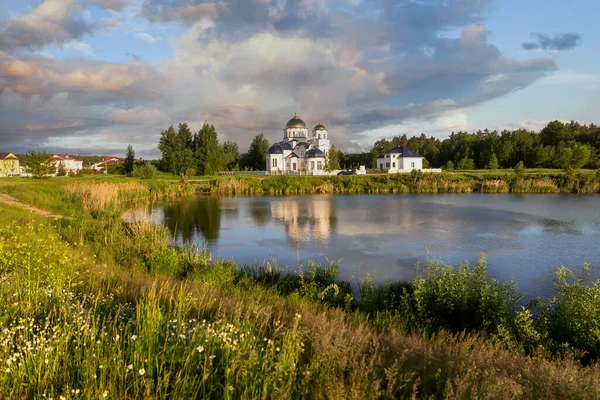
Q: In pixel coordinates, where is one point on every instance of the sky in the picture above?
(92, 76)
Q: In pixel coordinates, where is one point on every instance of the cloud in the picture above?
(137, 116)
(560, 41)
(52, 22)
(180, 11)
(80, 47)
(147, 37)
(116, 5)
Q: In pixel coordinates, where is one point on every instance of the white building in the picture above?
(69, 163)
(297, 152)
(399, 159)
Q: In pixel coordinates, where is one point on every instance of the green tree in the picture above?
(169, 149)
(61, 171)
(466, 163)
(208, 154)
(493, 163)
(38, 164)
(449, 166)
(129, 160)
(256, 157)
(231, 156)
(332, 161)
(554, 133)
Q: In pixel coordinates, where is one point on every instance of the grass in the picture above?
(95, 307)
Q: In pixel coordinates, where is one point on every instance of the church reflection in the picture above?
(305, 218)
(194, 219)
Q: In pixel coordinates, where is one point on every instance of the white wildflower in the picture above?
(142, 371)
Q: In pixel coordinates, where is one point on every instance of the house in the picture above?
(399, 159)
(69, 163)
(297, 152)
(105, 162)
(9, 165)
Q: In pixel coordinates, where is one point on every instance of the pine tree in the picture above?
(493, 163)
(208, 154)
(129, 160)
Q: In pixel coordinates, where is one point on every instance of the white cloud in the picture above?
(137, 116)
(80, 47)
(147, 37)
(583, 80)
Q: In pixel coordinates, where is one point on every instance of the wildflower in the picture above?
(133, 337)
(105, 394)
(142, 371)
(130, 367)
(277, 348)
(230, 387)
(212, 356)
(200, 349)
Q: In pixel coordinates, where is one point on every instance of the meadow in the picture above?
(93, 306)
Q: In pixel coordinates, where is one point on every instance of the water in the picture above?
(525, 237)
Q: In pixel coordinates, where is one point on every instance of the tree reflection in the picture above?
(187, 218)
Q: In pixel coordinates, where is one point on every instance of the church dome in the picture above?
(314, 153)
(295, 123)
(320, 127)
(275, 149)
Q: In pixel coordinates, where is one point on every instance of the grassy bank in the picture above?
(464, 182)
(95, 307)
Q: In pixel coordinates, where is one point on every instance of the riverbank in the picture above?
(93, 306)
(539, 181)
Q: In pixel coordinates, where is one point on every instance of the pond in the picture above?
(525, 237)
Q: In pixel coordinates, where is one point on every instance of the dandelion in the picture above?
(230, 387)
(142, 371)
(130, 367)
(200, 349)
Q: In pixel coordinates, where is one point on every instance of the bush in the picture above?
(572, 317)
(165, 261)
(146, 171)
(465, 299)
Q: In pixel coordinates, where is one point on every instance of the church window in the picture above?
(394, 165)
(387, 165)
(412, 164)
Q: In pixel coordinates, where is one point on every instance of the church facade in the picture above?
(297, 151)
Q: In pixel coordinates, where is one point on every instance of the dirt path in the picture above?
(4, 198)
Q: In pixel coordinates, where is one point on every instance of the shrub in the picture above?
(572, 317)
(146, 171)
(465, 299)
(165, 261)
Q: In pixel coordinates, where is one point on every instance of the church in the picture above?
(297, 152)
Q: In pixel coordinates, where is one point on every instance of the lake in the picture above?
(525, 237)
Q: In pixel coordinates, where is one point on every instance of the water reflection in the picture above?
(194, 219)
(305, 220)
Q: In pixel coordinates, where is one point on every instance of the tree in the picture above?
(231, 156)
(519, 170)
(208, 155)
(257, 153)
(129, 160)
(466, 163)
(61, 171)
(38, 164)
(169, 149)
(493, 164)
(332, 161)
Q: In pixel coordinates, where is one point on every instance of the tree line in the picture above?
(187, 153)
(557, 145)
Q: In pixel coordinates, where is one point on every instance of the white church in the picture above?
(297, 152)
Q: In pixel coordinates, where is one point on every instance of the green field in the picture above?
(92, 306)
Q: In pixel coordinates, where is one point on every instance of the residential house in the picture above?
(105, 163)
(69, 163)
(9, 165)
(399, 159)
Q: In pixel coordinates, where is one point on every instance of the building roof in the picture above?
(292, 155)
(320, 127)
(63, 157)
(295, 123)
(403, 151)
(381, 156)
(314, 153)
(5, 155)
(275, 149)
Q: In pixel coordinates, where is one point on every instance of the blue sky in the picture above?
(91, 76)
